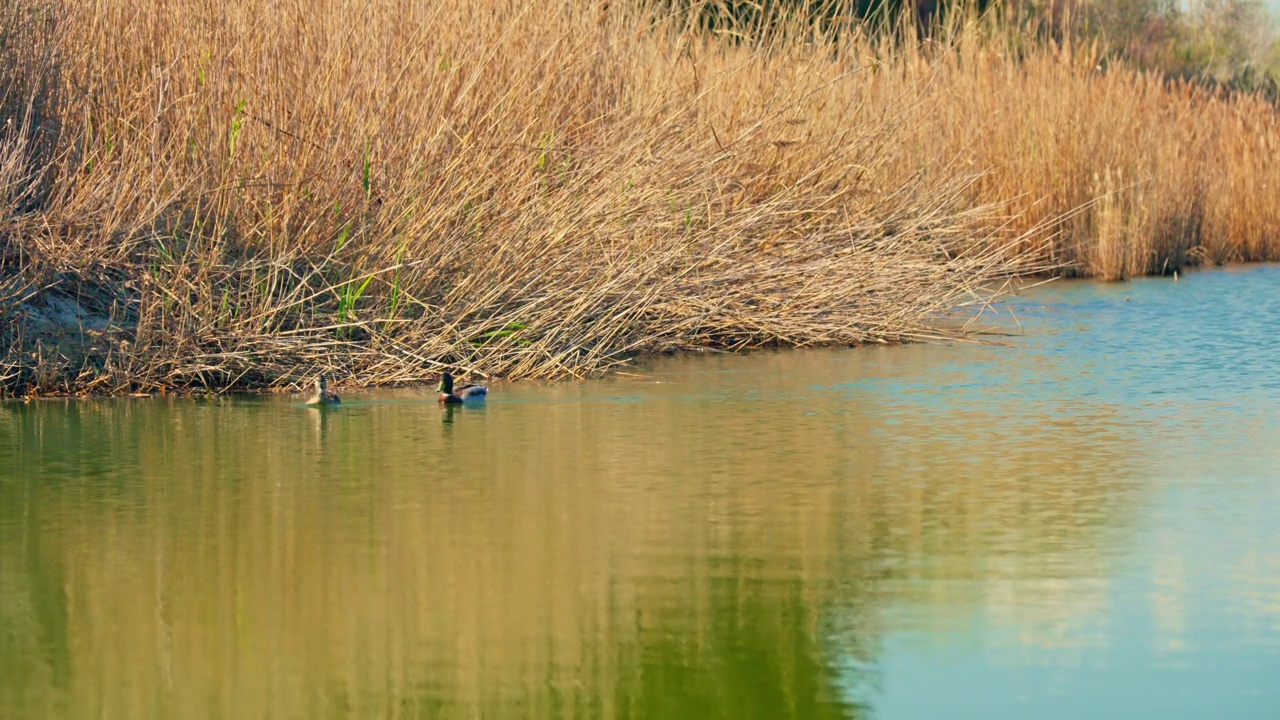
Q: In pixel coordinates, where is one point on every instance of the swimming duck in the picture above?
(322, 396)
(450, 396)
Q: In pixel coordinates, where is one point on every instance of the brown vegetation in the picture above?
(210, 196)
(1148, 175)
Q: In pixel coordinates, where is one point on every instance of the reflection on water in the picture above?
(1081, 525)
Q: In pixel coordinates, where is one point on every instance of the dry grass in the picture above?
(240, 196)
(1149, 176)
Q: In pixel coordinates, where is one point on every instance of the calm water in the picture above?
(1085, 524)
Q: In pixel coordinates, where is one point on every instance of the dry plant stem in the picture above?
(197, 195)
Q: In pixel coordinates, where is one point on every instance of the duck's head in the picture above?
(446, 383)
(322, 384)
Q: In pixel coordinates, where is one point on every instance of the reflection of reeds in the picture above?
(378, 561)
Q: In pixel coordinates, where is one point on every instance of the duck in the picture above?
(451, 396)
(323, 397)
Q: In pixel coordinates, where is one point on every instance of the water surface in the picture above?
(1082, 523)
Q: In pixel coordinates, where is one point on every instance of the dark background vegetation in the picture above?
(1231, 43)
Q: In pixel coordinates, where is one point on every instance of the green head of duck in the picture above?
(450, 396)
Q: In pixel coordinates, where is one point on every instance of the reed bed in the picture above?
(202, 196)
(1146, 175)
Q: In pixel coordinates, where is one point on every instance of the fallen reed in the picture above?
(201, 196)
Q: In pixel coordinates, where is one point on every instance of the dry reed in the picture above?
(1148, 175)
(232, 197)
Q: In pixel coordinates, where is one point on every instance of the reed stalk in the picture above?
(195, 195)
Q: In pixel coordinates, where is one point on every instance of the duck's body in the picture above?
(322, 396)
(472, 392)
(466, 393)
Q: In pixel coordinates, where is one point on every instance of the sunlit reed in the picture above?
(237, 196)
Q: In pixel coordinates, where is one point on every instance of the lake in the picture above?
(1081, 522)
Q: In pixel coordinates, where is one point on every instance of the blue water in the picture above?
(1176, 387)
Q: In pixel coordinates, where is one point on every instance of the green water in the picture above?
(1084, 524)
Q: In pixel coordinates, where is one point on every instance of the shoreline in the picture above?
(299, 387)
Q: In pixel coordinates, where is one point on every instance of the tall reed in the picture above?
(239, 196)
(1148, 175)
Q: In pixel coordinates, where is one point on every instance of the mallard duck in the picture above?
(322, 396)
(451, 396)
